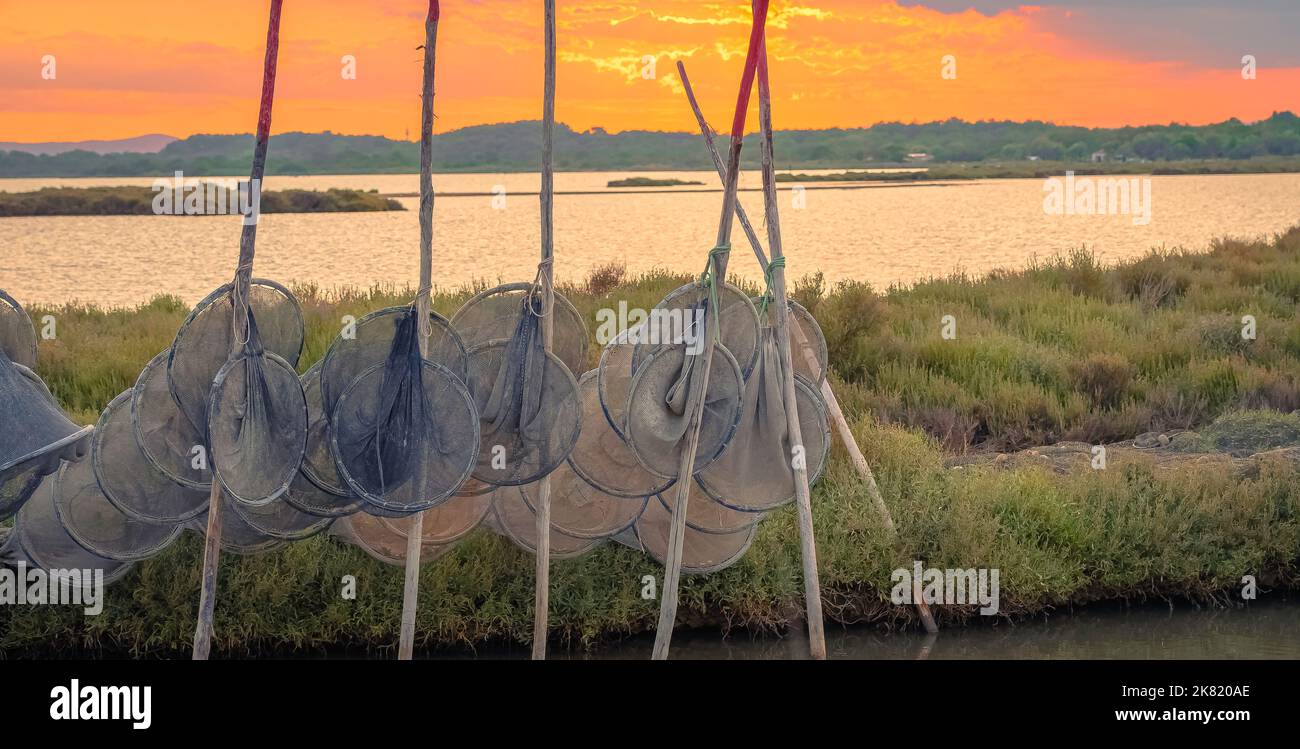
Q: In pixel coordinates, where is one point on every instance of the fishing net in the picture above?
(705, 514)
(318, 489)
(602, 457)
(702, 553)
(527, 400)
(582, 511)
(168, 439)
(97, 525)
(382, 542)
(494, 314)
(17, 336)
(614, 378)
(257, 423)
(513, 516)
(807, 344)
(448, 522)
(659, 408)
(371, 344)
(677, 320)
(755, 471)
(280, 520)
(48, 545)
(129, 481)
(204, 342)
(35, 437)
(405, 431)
(237, 536)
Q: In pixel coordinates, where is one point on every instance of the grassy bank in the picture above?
(1065, 350)
(132, 201)
(1045, 169)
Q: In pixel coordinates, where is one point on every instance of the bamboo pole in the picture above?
(833, 406)
(239, 297)
(812, 591)
(542, 581)
(699, 384)
(415, 535)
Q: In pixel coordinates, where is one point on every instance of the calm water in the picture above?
(1265, 631)
(882, 234)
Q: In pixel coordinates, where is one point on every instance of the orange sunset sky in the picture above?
(128, 68)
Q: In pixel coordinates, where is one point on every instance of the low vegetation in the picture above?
(123, 201)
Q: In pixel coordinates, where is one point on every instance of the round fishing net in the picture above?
(405, 432)
(495, 314)
(237, 536)
(602, 458)
(98, 526)
(614, 378)
(807, 342)
(382, 542)
(702, 553)
(528, 406)
(168, 439)
(582, 511)
(129, 481)
(48, 545)
(318, 489)
(755, 471)
(280, 520)
(448, 522)
(706, 515)
(659, 408)
(677, 321)
(257, 423)
(205, 340)
(17, 336)
(371, 344)
(513, 516)
(35, 437)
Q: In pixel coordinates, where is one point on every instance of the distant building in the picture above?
(1098, 156)
(919, 157)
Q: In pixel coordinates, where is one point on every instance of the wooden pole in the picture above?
(837, 415)
(700, 379)
(542, 581)
(415, 535)
(239, 297)
(812, 591)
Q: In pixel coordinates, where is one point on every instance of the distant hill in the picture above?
(516, 147)
(138, 144)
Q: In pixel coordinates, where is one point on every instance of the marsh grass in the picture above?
(1068, 349)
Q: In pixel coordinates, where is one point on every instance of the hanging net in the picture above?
(168, 439)
(755, 472)
(513, 516)
(807, 344)
(702, 553)
(602, 458)
(132, 484)
(405, 431)
(318, 489)
(707, 515)
(98, 526)
(257, 423)
(237, 536)
(381, 542)
(35, 437)
(448, 522)
(48, 545)
(659, 408)
(614, 378)
(280, 520)
(527, 401)
(581, 511)
(678, 320)
(17, 336)
(495, 314)
(205, 340)
(371, 344)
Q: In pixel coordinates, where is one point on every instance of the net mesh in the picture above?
(98, 526)
(383, 543)
(494, 314)
(582, 511)
(204, 342)
(280, 520)
(513, 516)
(679, 319)
(448, 522)
(602, 458)
(702, 553)
(17, 336)
(237, 536)
(755, 471)
(707, 515)
(168, 439)
(48, 545)
(405, 432)
(129, 481)
(318, 489)
(257, 423)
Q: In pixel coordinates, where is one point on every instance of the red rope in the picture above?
(751, 66)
